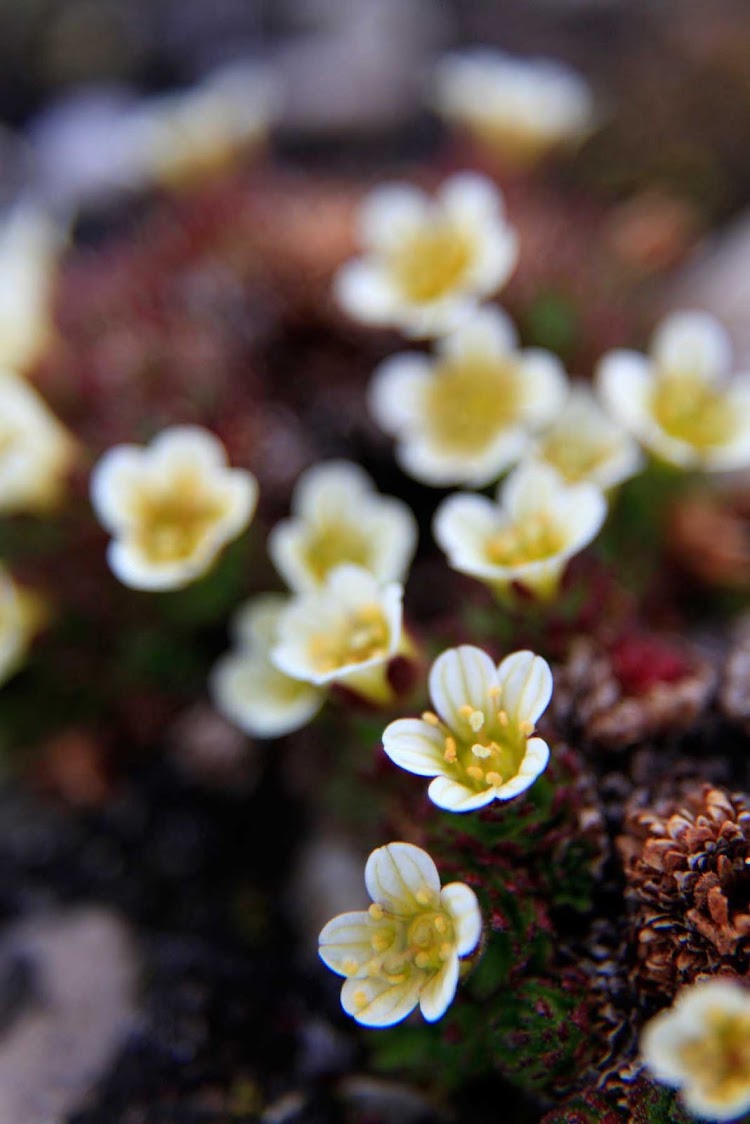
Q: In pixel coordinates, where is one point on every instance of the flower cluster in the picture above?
(344, 553)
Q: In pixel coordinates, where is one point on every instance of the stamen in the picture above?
(380, 942)
(466, 711)
(423, 896)
(476, 721)
(360, 999)
(481, 750)
(376, 911)
(502, 717)
(495, 692)
(526, 727)
(475, 772)
(450, 749)
(444, 950)
(430, 718)
(494, 779)
(349, 967)
(440, 924)
(422, 959)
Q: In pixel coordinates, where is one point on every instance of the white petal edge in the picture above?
(461, 903)
(438, 993)
(387, 1003)
(415, 746)
(526, 680)
(347, 936)
(461, 677)
(395, 874)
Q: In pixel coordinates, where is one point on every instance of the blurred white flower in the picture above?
(478, 744)
(179, 137)
(171, 507)
(519, 108)
(36, 451)
(21, 614)
(466, 416)
(30, 246)
(246, 687)
(679, 401)
(405, 949)
(701, 1045)
(428, 261)
(536, 525)
(345, 632)
(584, 443)
(338, 517)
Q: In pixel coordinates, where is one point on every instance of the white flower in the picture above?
(520, 108)
(338, 517)
(701, 1045)
(171, 507)
(178, 137)
(246, 687)
(466, 416)
(679, 402)
(36, 451)
(584, 443)
(477, 744)
(345, 632)
(21, 614)
(528, 535)
(405, 948)
(428, 261)
(30, 244)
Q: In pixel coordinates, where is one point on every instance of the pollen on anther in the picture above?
(424, 897)
(422, 959)
(475, 772)
(376, 911)
(466, 710)
(450, 749)
(350, 967)
(481, 750)
(494, 779)
(360, 999)
(476, 721)
(440, 924)
(430, 718)
(526, 727)
(502, 717)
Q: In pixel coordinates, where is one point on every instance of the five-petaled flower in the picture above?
(584, 443)
(527, 536)
(338, 517)
(248, 689)
(36, 451)
(405, 949)
(701, 1045)
(477, 744)
(171, 507)
(428, 261)
(679, 402)
(346, 632)
(519, 108)
(466, 416)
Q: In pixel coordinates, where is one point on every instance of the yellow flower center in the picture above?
(433, 261)
(363, 636)
(719, 1062)
(421, 941)
(532, 539)
(487, 748)
(470, 401)
(173, 523)
(333, 544)
(575, 458)
(692, 411)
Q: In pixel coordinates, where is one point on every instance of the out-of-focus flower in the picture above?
(583, 443)
(36, 451)
(536, 525)
(701, 1046)
(428, 261)
(679, 401)
(21, 614)
(466, 416)
(30, 244)
(518, 108)
(171, 507)
(478, 744)
(338, 517)
(181, 137)
(405, 949)
(247, 688)
(345, 632)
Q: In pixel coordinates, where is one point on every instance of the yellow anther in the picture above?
(360, 999)
(445, 950)
(476, 720)
(422, 959)
(494, 779)
(502, 717)
(440, 924)
(495, 692)
(430, 718)
(526, 727)
(466, 711)
(349, 967)
(450, 749)
(475, 772)
(376, 911)
(380, 942)
(424, 897)
(481, 750)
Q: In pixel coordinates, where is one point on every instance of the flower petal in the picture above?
(186, 445)
(461, 677)
(114, 480)
(376, 1001)
(624, 381)
(396, 873)
(395, 396)
(526, 680)
(390, 214)
(489, 332)
(532, 766)
(415, 746)
(437, 994)
(693, 343)
(364, 292)
(254, 623)
(461, 903)
(472, 200)
(345, 943)
(452, 796)
(261, 700)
